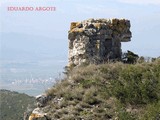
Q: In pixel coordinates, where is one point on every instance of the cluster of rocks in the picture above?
(97, 40)
(42, 108)
(38, 113)
(42, 100)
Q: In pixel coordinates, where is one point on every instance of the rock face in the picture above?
(41, 100)
(38, 113)
(97, 40)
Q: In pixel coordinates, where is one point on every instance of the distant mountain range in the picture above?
(18, 46)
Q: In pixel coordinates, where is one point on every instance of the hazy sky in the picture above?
(143, 14)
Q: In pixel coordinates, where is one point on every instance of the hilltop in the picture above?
(114, 91)
(13, 104)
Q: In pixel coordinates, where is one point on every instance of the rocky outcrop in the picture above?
(42, 100)
(38, 113)
(97, 40)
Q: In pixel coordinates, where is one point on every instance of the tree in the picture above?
(129, 57)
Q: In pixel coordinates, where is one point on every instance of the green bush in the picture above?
(137, 84)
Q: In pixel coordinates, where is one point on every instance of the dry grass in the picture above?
(105, 92)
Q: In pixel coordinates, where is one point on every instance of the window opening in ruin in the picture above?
(108, 47)
(108, 43)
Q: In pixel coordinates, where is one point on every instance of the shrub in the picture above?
(152, 112)
(137, 84)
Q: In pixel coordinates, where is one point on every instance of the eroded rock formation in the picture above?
(38, 113)
(97, 40)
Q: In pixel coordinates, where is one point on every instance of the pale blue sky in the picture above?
(143, 14)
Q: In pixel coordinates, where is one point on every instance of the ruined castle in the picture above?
(97, 40)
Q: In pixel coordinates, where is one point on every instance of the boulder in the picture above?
(42, 100)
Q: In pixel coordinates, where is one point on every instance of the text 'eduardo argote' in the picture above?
(11, 8)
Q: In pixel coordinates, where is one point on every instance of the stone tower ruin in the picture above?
(97, 40)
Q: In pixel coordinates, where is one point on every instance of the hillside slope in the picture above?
(13, 105)
(114, 91)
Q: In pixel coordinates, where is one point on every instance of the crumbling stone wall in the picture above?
(97, 40)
